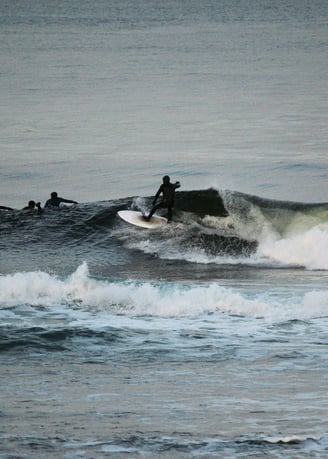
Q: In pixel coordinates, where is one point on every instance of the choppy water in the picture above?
(206, 338)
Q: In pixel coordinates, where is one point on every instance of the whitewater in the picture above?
(136, 298)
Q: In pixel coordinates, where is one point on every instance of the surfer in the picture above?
(32, 205)
(55, 200)
(167, 189)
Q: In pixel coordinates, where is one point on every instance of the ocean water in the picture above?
(205, 338)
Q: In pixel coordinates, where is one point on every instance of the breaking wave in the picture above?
(209, 227)
(161, 299)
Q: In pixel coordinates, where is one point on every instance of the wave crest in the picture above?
(133, 298)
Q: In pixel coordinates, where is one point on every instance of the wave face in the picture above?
(210, 227)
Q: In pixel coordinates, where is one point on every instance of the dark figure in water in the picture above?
(32, 205)
(55, 200)
(167, 189)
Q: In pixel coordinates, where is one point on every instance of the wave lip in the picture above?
(288, 233)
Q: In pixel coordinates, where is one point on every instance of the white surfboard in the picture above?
(136, 218)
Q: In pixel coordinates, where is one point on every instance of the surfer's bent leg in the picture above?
(153, 210)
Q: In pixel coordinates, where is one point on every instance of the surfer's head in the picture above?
(54, 195)
(166, 179)
(31, 204)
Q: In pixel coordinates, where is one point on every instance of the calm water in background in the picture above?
(219, 93)
(204, 339)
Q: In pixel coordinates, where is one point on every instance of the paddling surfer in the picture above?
(55, 200)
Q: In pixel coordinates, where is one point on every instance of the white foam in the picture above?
(308, 249)
(148, 299)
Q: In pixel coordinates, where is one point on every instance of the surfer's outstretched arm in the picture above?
(68, 201)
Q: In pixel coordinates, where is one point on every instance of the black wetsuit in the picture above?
(55, 202)
(168, 191)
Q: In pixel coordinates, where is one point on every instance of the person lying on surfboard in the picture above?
(167, 189)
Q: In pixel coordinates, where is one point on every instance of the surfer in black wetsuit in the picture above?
(167, 189)
(55, 200)
(32, 206)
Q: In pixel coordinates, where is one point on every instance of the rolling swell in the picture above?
(57, 339)
(278, 204)
(207, 222)
(91, 224)
(182, 445)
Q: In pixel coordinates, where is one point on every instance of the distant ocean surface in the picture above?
(207, 337)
